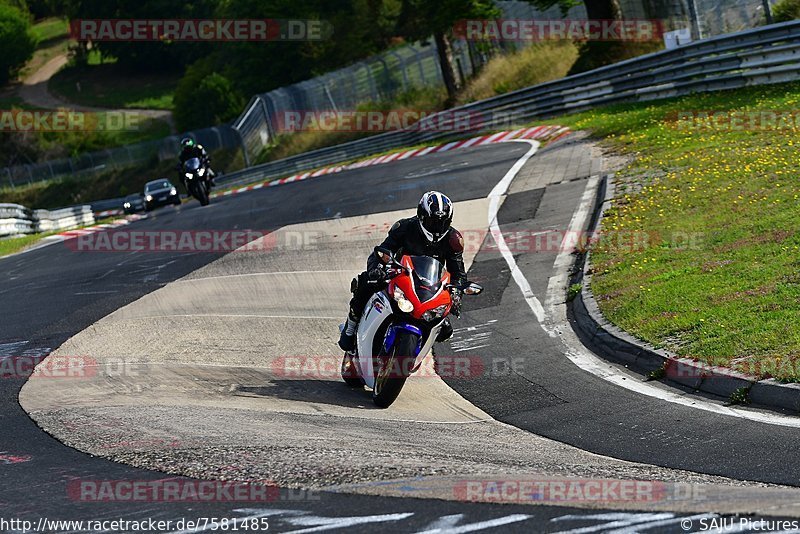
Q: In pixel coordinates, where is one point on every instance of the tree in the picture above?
(419, 19)
(360, 28)
(205, 98)
(17, 43)
(422, 18)
(145, 55)
(595, 9)
(595, 54)
(786, 10)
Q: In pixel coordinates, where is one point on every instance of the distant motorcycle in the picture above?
(195, 174)
(400, 324)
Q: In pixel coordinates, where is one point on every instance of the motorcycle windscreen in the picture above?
(428, 274)
(192, 164)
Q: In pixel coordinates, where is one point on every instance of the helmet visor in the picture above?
(436, 225)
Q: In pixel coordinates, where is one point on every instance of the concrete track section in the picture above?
(231, 372)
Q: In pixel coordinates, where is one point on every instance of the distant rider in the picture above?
(191, 149)
(427, 234)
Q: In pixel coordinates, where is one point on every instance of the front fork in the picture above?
(391, 336)
(390, 365)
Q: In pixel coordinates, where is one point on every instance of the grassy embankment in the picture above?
(104, 84)
(716, 273)
(529, 66)
(12, 245)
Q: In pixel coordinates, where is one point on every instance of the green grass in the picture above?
(73, 143)
(49, 29)
(715, 273)
(108, 85)
(12, 245)
(531, 65)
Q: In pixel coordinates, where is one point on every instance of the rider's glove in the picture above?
(455, 295)
(376, 275)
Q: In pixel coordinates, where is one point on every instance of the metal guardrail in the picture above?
(64, 218)
(18, 220)
(769, 54)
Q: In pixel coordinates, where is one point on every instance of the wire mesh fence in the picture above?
(375, 79)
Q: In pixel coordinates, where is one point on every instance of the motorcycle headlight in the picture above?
(436, 313)
(173, 191)
(149, 198)
(201, 171)
(126, 205)
(402, 302)
(189, 175)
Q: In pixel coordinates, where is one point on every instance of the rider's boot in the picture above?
(347, 341)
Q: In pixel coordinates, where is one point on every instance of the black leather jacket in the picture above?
(196, 151)
(406, 237)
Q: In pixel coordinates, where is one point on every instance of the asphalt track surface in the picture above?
(49, 295)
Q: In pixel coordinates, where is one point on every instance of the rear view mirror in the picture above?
(472, 289)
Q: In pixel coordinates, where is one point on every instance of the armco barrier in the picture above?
(18, 220)
(64, 218)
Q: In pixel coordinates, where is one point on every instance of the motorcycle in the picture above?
(400, 324)
(194, 172)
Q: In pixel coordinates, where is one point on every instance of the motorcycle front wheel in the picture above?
(394, 369)
(200, 192)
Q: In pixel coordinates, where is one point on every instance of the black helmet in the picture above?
(435, 213)
(187, 142)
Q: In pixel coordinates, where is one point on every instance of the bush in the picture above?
(205, 99)
(17, 42)
(528, 66)
(786, 10)
(595, 54)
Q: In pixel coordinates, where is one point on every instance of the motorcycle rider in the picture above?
(427, 234)
(192, 149)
